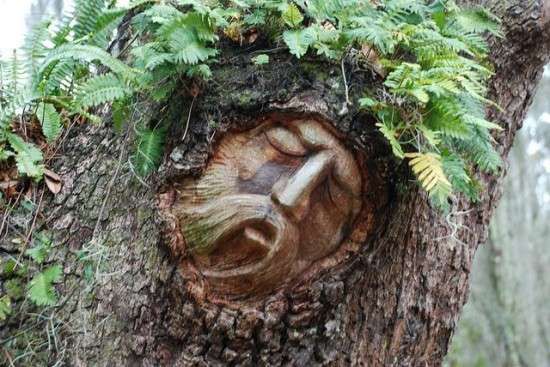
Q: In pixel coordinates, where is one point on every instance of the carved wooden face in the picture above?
(271, 201)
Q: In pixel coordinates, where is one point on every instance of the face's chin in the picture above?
(255, 250)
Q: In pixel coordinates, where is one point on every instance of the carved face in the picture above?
(271, 201)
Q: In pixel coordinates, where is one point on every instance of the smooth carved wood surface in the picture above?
(272, 201)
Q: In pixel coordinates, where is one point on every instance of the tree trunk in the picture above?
(394, 300)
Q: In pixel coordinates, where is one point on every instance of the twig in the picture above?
(137, 176)
(59, 145)
(7, 212)
(348, 102)
(188, 119)
(8, 356)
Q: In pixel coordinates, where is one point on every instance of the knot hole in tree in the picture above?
(274, 205)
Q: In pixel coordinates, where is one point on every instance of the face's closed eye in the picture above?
(285, 141)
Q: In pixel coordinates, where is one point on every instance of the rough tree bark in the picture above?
(393, 301)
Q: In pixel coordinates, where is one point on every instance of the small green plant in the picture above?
(433, 55)
(5, 307)
(261, 59)
(41, 287)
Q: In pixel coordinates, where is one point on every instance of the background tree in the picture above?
(395, 301)
(505, 321)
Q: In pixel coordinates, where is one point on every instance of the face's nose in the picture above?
(292, 194)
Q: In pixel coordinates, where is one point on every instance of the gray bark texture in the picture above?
(393, 302)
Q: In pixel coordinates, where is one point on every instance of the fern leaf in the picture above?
(478, 149)
(50, 121)
(5, 307)
(41, 289)
(476, 121)
(162, 13)
(390, 134)
(193, 53)
(101, 89)
(34, 46)
(87, 12)
(87, 53)
(149, 151)
(105, 25)
(292, 16)
(60, 77)
(478, 20)
(28, 157)
(187, 38)
(298, 41)
(455, 169)
(429, 171)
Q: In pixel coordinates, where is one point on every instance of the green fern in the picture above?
(28, 156)
(50, 121)
(34, 47)
(148, 152)
(87, 13)
(432, 104)
(5, 307)
(390, 134)
(41, 289)
(105, 24)
(100, 89)
(298, 41)
(455, 170)
(89, 54)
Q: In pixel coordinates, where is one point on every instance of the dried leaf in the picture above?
(53, 181)
(373, 60)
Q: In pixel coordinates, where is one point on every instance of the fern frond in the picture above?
(104, 27)
(478, 20)
(374, 28)
(148, 151)
(429, 171)
(390, 134)
(100, 89)
(41, 289)
(162, 13)
(34, 46)
(455, 169)
(298, 41)
(187, 38)
(28, 157)
(87, 53)
(12, 77)
(478, 149)
(87, 12)
(60, 77)
(50, 121)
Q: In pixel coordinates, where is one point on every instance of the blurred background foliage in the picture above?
(506, 321)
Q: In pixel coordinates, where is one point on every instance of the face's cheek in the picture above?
(326, 224)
